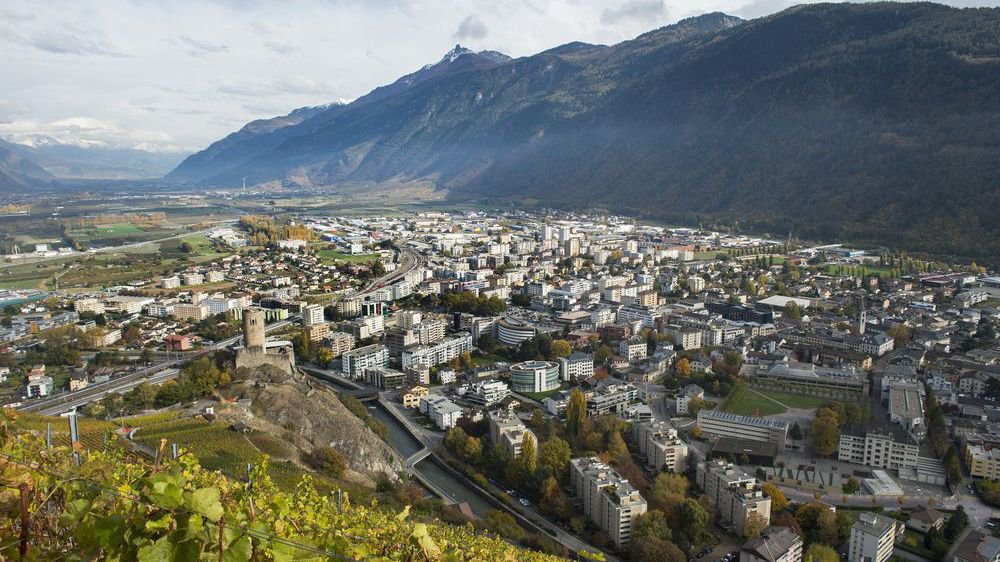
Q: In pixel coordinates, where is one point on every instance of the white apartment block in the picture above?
(443, 412)
(734, 493)
(578, 366)
(507, 430)
(890, 447)
(746, 428)
(438, 353)
(312, 314)
(658, 442)
(355, 362)
(609, 500)
(873, 538)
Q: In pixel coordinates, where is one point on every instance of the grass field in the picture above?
(794, 400)
(543, 395)
(745, 401)
(330, 255)
(870, 269)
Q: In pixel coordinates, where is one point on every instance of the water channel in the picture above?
(406, 445)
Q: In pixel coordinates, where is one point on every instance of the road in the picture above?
(409, 261)
(67, 401)
(112, 249)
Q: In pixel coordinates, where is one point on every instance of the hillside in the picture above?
(833, 121)
(119, 507)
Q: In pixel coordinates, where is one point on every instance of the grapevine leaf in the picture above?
(423, 539)
(159, 524)
(109, 532)
(206, 502)
(238, 551)
(158, 551)
(165, 492)
(402, 515)
(74, 512)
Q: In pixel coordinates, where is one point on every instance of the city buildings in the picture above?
(534, 376)
(889, 447)
(844, 384)
(355, 362)
(873, 537)
(735, 494)
(443, 412)
(775, 544)
(658, 443)
(508, 431)
(578, 366)
(744, 428)
(610, 501)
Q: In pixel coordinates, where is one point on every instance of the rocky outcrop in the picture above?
(309, 415)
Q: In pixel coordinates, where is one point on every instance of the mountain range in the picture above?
(39, 158)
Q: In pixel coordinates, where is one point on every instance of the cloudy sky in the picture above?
(175, 75)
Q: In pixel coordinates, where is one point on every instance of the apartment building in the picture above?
(982, 462)
(775, 544)
(443, 412)
(355, 362)
(312, 314)
(659, 444)
(577, 366)
(633, 348)
(612, 399)
(873, 538)
(438, 353)
(610, 501)
(507, 430)
(341, 343)
(746, 428)
(385, 378)
(889, 447)
(487, 393)
(735, 493)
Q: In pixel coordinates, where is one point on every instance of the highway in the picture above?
(154, 374)
(408, 262)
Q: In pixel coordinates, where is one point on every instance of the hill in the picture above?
(116, 506)
(834, 121)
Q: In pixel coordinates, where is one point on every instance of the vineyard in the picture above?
(115, 506)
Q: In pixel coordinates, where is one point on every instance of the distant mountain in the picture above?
(17, 172)
(835, 121)
(93, 160)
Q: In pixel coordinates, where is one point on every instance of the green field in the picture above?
(794, 400)
(330, 255)
(747, 402)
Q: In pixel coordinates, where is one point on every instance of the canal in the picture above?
(406, 445)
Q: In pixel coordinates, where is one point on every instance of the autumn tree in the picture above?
(561, 348)
(754, 524)
(683, 367)
(526, 460)
(821, 553)
(778, 500)
(826, 431)
(576, 412)
(554, 456)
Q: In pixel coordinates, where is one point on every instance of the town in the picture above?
(653, 393)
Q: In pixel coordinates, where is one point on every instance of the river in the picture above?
(406, 445)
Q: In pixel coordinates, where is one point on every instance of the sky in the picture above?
(176, 75)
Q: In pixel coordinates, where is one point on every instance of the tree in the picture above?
(826, 431)
(683, 367)
(851, 486)
(502, 524)
(603, 353)
(526, 460)
(576, 412)
(617, 449)
(554, 456)
(696, 432)
(693, 521)
(821, 553)
(651, 525)
(552, 500)
(900, 334)
(561, 348)
(958, 521)
(655, 550)
(754, 524)
(778, 500)
(328, 460)
(796, 431)
(792, 311)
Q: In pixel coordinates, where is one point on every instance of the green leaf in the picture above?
(206, 502)
(160, 551)
(109, 532)
(74, 512)
(238, 551)
(160, 524)
(164, 491)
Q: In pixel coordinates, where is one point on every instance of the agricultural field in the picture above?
(217, 447)
(746, 401)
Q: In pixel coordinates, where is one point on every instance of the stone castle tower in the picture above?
(253, 330)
